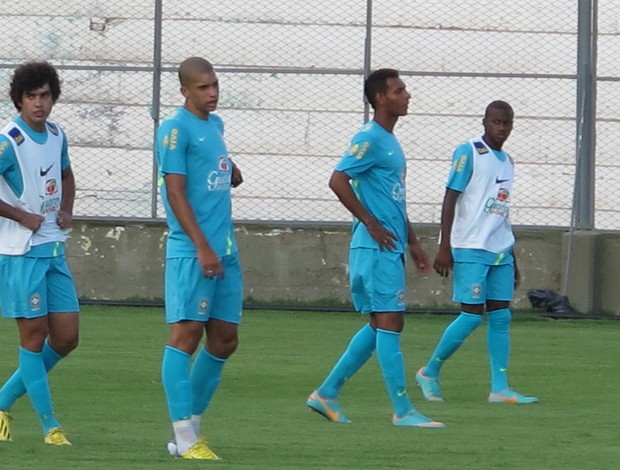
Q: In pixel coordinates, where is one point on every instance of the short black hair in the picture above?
(376, 82)
(498, 104)
(191, 66)
(31, 76)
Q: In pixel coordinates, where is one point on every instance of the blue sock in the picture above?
(453, 336)
(35, 379)
(206, 375)
(175, 378)
(393, 370)
(358, 351)
(498, 344)
(14, 387)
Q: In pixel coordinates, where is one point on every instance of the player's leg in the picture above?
(14, 387)
(32, 333)
(324, 399)
(187, 296)
(225, 314)
(469, 288)
(499, 317)
(388, 304)
(63, 327)
(30, 281)
(184, 338)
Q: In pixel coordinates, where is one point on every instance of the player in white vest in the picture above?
(477, 242)
(37, 190)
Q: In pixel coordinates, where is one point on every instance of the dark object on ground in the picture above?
(551, 301)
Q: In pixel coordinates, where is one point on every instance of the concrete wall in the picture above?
(295, 264)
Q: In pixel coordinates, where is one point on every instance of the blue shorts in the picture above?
(189, 295)
(377, 279)
(33, 287)
(475, 283)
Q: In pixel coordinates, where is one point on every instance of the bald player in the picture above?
(203, 280)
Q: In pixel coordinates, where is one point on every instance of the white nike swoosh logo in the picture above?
(201, 139)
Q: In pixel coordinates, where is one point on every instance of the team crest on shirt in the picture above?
(476, 290)
(51, 186)
(3, 147)
(481, 148)
(223, 164)
(503, 195)
(35, 301)
(358, 150)
(202, 306)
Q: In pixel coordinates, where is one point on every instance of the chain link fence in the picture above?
(291, 76)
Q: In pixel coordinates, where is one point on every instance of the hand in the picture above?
(63, 219)
(443, 261)
(31, 221)
(421, 259)
(236, 178)
(385, 238)
(210, 263)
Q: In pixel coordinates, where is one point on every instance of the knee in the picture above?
(64, 345)
(224, 347)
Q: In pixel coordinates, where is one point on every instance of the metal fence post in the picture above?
(586, 114)
(155, 106)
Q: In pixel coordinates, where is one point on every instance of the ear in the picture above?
(184, 91)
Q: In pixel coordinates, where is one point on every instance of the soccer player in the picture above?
(369, 180)
(477, 242)
(37, 190)
(203, 281)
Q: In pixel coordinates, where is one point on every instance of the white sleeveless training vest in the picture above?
(40, 167)
(481, 219)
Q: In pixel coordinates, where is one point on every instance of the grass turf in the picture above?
(108, 396)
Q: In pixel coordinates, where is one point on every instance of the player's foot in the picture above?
(5, 426)
(429, 385)
(416, 419)
(56, 437)
(200, 451)
(510, 396)
(330, 408)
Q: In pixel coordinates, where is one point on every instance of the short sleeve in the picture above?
(359, 157)
(172, 144)
(461, 169)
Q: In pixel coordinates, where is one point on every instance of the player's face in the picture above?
(497, 127)
(201, 94)
(36, 106)
(396, 97)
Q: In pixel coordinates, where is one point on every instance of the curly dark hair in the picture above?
(31, 76)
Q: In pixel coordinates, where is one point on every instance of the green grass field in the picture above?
(109, 398)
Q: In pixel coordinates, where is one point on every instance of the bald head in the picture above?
(193, 67)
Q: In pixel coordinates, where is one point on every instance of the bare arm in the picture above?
(65, 213)
(208, 259)
(27, 219)
(339, 184)
(443, 261)
(517, 272)
(419, 256)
